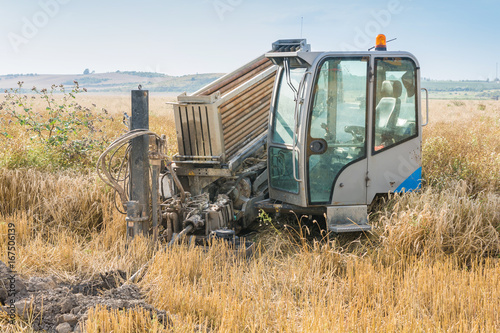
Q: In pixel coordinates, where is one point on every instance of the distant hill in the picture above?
(117, 82)
(462, 89)
(123, 81)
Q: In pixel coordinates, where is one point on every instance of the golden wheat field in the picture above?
(432, 264)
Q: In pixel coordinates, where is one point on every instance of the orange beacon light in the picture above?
(381, 44)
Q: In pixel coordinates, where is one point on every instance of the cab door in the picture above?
(336, 145)
(285, 169)
(394, 162)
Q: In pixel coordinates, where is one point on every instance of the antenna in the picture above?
(301, 25)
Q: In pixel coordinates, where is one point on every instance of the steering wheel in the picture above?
(358, 132)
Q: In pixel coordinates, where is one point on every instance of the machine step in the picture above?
(352, 218)
(349, 227)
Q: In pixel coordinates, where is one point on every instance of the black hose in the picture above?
(240, 177)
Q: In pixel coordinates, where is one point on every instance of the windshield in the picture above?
(283, 121)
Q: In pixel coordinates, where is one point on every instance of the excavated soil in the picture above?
(59, 307)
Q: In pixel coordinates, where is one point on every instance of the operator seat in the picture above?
(397, 89)
(386, 105)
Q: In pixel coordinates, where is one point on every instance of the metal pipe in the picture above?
(197, 157)
(177, 183)
(181, 234)
(176, 225)
(139, 159)
(155, 171)
(169, 226)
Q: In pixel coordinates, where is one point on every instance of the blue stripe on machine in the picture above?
(411, 183)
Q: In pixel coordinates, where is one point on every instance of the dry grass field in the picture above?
(432, 264)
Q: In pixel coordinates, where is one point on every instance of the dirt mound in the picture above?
(96, 286)
(9, 284)
(59, 307)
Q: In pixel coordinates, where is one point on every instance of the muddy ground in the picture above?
(56, 306)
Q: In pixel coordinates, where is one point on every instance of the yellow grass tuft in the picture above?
(463, 143)
(323, 289)
(103, 320)
(440, 223)
(68, 199)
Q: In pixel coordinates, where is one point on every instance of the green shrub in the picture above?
(59, 128)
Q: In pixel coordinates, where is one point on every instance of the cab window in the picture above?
(395, 103)
(283, 121)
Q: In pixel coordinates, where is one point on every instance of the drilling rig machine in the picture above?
(316, 133)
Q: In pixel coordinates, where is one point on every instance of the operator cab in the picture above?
(344, 126)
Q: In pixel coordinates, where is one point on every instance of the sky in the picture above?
(453, 40)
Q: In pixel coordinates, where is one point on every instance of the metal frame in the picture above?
(426, 106)
(212, 104)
